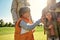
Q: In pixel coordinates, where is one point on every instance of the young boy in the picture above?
(52, 33)
(24, 26)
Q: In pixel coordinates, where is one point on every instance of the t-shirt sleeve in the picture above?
(28, 26)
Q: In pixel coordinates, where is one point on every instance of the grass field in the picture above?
(7, 33)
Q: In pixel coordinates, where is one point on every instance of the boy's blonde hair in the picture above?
(23, 10)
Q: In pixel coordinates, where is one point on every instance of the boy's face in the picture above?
(26, 15)
(48, 16)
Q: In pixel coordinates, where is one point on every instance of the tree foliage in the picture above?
(2, 24)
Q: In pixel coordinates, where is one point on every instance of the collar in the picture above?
(27, 20)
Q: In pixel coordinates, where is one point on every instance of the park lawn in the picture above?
(7, 33)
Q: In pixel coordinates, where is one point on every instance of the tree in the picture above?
(10, 24)
(1, 23)
(6, 25)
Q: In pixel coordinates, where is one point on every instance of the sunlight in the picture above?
(36, 7)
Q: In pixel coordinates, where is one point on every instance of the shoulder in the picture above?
(18, 21)
(23, 22)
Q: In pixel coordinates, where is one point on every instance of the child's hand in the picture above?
(50, 26)
(33, 30)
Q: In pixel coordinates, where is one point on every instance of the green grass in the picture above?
(6, 30)
(7, 33)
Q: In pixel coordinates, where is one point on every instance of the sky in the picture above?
(36, 9)
(5, 10)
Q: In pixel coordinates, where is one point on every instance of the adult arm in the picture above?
(14, 10)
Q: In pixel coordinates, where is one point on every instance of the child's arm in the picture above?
(27, 26)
